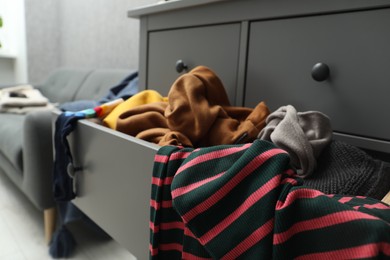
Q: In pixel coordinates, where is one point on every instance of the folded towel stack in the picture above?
(21, 99)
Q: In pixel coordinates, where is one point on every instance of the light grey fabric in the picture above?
(38, 162)
(63, 84)
(302, 134)
(95, 86)
(9, 169)
(11, 140)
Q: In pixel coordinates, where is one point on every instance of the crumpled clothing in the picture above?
(198, 113)
(246, 202)
(142, 98)
(302, 134)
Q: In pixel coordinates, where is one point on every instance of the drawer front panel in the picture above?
(216, 47)
(114, 185)
(355, 47)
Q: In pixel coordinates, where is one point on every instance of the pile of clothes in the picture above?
(235, 182)
(197, 113)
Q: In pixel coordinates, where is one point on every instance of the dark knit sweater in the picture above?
(245, 202)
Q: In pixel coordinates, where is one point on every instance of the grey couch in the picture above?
(26, 153)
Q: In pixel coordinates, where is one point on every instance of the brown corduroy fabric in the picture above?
(198, 114)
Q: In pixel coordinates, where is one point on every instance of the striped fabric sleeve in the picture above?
(169, 238)
(245, 202)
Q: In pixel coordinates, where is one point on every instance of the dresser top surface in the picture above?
(162, 6)
(236, 10)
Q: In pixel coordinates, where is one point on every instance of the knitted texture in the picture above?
(348, 170)
(245, 202)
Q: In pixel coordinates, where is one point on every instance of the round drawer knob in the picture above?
(181, 66)
(320, 72)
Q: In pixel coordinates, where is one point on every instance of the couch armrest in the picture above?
(38, 158)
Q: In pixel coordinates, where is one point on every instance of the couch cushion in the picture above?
(99, 82)
(63, 83)
(11, 138)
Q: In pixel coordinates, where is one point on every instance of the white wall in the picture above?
(81, 33)
(13, 58)
(43, 37)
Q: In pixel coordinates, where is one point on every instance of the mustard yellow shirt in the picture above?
(141, 98)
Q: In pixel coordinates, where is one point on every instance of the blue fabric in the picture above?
(64, 172)
(63, 243)
(62, 181)
(78, 105)
(125, 89)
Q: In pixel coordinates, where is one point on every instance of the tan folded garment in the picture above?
(22, 96)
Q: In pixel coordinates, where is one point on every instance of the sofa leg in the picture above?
(49, 217)
(386, 199)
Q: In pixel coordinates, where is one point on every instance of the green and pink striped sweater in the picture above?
(245, 202)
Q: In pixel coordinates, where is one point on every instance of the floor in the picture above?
(22, 237)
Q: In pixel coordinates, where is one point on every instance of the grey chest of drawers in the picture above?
(326, 55)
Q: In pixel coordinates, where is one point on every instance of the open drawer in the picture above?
(114, 184)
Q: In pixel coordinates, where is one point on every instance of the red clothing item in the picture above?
(198, 114)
